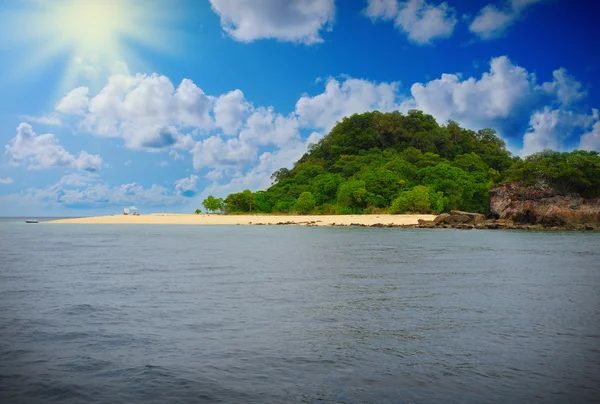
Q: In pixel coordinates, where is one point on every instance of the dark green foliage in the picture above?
(305, 202)
(240, 202)
(352, 195)
(377, 162)
(577, 171)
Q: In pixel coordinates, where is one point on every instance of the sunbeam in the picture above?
(91, 36)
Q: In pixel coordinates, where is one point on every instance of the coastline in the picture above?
(218, 219)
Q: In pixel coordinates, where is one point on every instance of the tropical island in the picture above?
(376, 163)
(390, 164)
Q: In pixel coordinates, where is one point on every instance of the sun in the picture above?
(88, 36)
(92, 25)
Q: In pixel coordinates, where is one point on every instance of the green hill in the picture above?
(391, 162)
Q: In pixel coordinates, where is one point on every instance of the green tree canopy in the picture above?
(213, 204)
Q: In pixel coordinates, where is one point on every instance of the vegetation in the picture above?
(396, 163)
(212, 204)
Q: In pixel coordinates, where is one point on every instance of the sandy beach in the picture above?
(208, 219)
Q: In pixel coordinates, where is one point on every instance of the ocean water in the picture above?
(274, 314)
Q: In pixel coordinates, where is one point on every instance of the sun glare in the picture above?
(92, 25)
(93, 35)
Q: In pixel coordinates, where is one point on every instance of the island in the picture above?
(394, 169)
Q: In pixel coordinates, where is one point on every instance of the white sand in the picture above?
(206, 219)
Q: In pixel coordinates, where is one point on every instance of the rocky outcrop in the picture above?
(541, 205)
(515, 206)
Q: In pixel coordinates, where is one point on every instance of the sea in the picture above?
(285, 314)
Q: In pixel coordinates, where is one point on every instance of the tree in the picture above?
(213, 204)
(352, 195)
(280, 175)
(305, 202)
(414, 201)
(197, 212)
(240, 202)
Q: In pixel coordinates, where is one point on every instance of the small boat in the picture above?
(31, 221)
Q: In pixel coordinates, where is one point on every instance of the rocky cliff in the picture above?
(541, 205)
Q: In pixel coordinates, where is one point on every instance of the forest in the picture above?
(406, 163)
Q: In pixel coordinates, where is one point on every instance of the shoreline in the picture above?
(220, 219)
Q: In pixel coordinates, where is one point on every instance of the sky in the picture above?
(106, 104)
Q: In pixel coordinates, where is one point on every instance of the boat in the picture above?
(31, 221)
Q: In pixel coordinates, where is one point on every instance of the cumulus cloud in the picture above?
(497, 95)
(218, 153)
(421, 21)
(6, 180)
(146, 111)
(75, 102)
(345, 98)
(566, 88)
(285, 20)
(591, 140)
(44, 151)
(187, 186)
(264, 127)
(491, 22)
(229, 111)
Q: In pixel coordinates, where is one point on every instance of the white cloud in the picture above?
(78, 179)
(49, 120)
(385, 9)
(44, 151)
(345, 98)
(421, 21)
(285, 20)
(77, 190)
(218, 153)
(230, 110)
(164, 163)
(591, 140)
(492, 22)
(175, 156)
(214, 175)
(265, 127)
(6, 180)
(148, 112)
(187, 186)
(476, 103)
(75, 102)
(567, 89)
(550, 128)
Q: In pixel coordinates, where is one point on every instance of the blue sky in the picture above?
(112, 103)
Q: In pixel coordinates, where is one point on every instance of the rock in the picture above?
(426, 224)
(474, 218)
(541, 205)
(441, 218)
